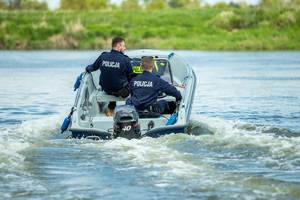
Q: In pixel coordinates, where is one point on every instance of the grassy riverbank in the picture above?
(199, 29)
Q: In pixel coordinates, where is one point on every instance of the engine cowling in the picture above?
(126, 122)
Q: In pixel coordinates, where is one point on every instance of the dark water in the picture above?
(245, 126)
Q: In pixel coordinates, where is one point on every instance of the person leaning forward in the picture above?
(116, 71)
(144, 89)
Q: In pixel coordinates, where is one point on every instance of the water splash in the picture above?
(14, 139)
(214, 153)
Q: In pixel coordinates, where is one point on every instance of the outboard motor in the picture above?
(126, 122)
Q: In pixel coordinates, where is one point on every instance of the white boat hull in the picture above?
(90, 121)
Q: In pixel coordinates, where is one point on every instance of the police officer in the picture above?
(144, 89)
(116, 71)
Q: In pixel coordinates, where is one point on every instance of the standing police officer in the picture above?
(116, 71)
(144, 89)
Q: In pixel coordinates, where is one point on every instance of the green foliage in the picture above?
(287, 18)
(184, 3)
(23, 5)
(33, 5)
(15, 4)
(295, 2)
(3, 5)
(83, 4)
(73, 4)
(156, 5)
(178, 3)
(226, 20)
(193, 29)
(272, 3)
(220, 5)
(130, 5)
(95, 30)
(97, 4)
(242, 4)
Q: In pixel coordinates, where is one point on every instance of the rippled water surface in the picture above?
(244, 140)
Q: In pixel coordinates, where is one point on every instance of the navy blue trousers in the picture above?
(163, 106)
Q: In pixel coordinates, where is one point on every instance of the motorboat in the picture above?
(88, 118)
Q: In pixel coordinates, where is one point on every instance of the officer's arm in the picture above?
(94, 66)
(169, 89)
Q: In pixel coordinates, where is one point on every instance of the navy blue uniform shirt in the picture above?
(144, 90)
(115, 70)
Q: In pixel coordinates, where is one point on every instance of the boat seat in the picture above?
(104, 97)
(148, 114)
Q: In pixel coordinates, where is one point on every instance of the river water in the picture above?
(244, 142)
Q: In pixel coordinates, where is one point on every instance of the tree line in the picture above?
(132, 5)
(23, 5)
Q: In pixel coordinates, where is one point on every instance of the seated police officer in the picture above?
(116, 71)
(144, 89)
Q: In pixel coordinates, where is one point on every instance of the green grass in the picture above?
(199, 29)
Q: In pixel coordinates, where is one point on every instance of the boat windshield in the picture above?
(161, 68)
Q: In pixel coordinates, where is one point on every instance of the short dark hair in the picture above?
(116, 41)
(147, 63)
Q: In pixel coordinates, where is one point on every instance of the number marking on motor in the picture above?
(126, 128)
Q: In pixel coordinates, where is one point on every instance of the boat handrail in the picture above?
(79, 90)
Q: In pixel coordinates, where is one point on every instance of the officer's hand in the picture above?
(160, 93)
